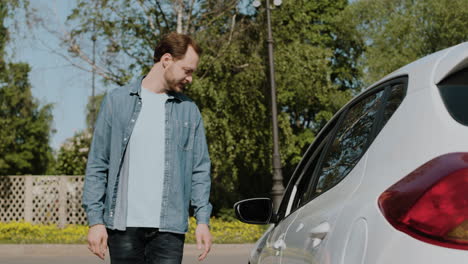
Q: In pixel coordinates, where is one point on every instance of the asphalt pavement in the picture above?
(79, 254)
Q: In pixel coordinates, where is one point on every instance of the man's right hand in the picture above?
(97, 240)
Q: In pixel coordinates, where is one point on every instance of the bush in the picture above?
(73, 154)
(26, 233)
(227, 215)
(227, 232)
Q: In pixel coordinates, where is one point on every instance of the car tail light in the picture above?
(431, 203)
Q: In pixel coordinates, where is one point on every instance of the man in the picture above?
(148, 162)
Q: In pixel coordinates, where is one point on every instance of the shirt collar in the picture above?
(135, 89)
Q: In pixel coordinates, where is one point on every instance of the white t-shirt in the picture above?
(146, 163)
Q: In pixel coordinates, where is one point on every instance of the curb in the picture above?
(15, 250)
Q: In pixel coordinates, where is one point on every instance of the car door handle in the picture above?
(318, 233)
(279, 244)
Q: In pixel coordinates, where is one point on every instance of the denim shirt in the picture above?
(187, 163)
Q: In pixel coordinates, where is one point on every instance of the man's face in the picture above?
(178, 73)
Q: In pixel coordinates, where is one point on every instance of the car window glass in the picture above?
(305, 180)
(291, 189)
(454, 92)
(349, 144)
(397, 93)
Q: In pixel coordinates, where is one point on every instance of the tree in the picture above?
(397, 32)
(316, 73)
(127, 31)
(24, 148)
(73, 154)
(312, 84)
(315, 65)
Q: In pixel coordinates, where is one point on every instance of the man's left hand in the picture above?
(204, 238)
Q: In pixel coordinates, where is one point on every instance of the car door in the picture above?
(274, 243)
(271, 251)
(334, 174)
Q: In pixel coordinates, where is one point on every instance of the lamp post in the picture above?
(277, 189)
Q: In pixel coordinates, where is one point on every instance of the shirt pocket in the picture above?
(184, 134)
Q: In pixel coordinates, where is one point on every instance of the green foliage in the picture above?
(311, 33)
(397, 32)
(24, 148)
(73, 154)
(227, 215)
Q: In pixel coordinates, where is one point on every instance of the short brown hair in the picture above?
(175, 44)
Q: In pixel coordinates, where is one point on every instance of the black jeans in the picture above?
(138, 245)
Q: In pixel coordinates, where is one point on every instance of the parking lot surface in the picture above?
(79, 254)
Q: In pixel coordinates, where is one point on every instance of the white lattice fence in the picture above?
(42, 199)
(12, 198)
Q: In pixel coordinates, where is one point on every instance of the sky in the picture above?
(54, 80)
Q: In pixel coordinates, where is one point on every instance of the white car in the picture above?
(385, 181)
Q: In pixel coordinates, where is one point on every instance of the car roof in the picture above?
(437, 66)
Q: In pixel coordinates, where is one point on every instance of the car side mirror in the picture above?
(258, 211)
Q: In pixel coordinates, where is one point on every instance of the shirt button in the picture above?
(125, 139)
(139, 102)
(133, 120)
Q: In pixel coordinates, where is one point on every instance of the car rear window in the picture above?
(454, 92)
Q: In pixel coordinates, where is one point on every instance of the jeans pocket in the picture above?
(185, 133)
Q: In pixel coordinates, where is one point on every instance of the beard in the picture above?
(178, 87)
(175, 85)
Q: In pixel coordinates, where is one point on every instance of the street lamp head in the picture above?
(257, 3)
